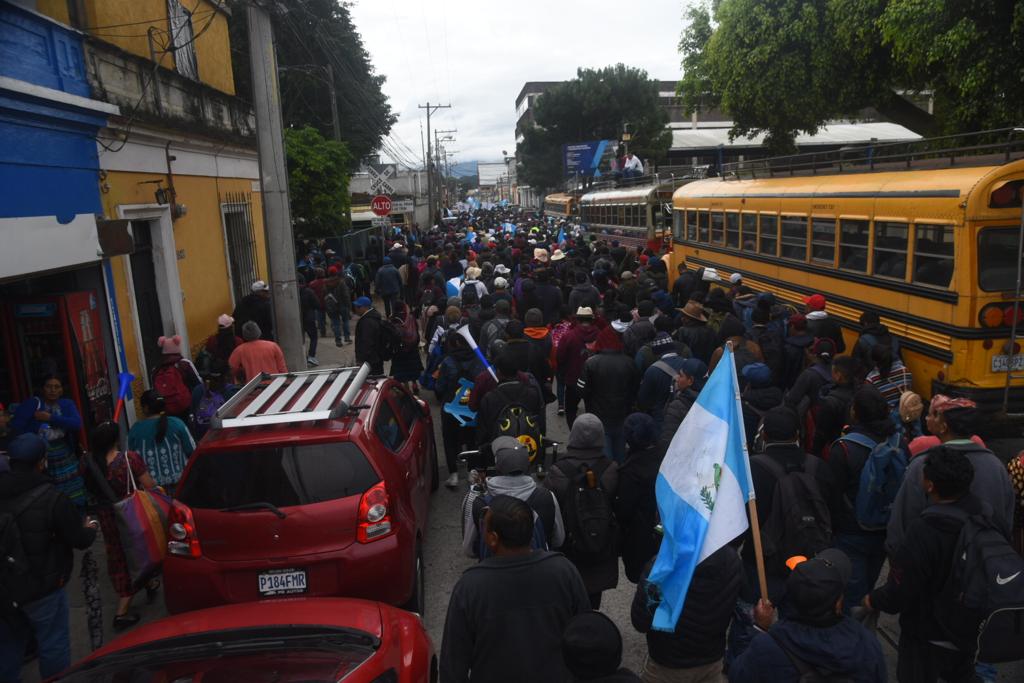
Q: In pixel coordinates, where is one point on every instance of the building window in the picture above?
(182, 42)
(823, 240)
(794, 238)
(933, 255)
(891, 249)
(768, 239)
(853, 244)
(240, 242)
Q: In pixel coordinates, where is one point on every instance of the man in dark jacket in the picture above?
(758, 397)
(795, 348)
(514, 388)
(694, 650)
(695, 332)
(920, 570)
(507, 614)
(659, 379)
(608, 385)
(873, 333)
(814, 631)
(585, 451)
(688, 384)
(832, 408)
(641, 331)
(50, 526)
(255, 306)
(583, 294)
(459, 363)
(309, 309)
(388, 282)
(548, 296)
(684, 285)
(821, 324)
(368, 335)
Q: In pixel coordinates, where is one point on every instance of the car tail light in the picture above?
(374, 515)
(181, 531)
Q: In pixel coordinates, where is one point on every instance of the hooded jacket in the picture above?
(843, 648)
(506, 617)
(584, 294)
(609, 381)
(50, 527)
(388, 280)
(794, 351)
(368, 341)
(820, 324)
(572, 351)
(638, 334)
(519, 486)
(870, 337)
(832, 413)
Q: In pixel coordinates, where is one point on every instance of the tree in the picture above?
(310, 35)
(318, 178)
(785, 66)
(592, 106)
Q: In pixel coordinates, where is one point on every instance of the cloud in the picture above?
(477, 56)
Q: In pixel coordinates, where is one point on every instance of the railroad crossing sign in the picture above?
(381, 205)
(379, 179)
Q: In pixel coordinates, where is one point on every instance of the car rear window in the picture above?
(283, 476)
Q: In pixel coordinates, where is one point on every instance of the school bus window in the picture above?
(638, 214)
(997, 269)
(768, 238)
(891, 249)
(732, 230)
(823, 240)
(717, 227)
(677, 225)
(794, 238)
(749, 235)
(933, 255)
(691, 225)
(853, 244)
(705, 221)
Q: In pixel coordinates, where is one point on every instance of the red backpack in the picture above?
(168, 382)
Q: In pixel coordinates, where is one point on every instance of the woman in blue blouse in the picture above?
(163, 441)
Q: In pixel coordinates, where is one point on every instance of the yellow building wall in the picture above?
(55, 9)
(125, 23)
(199, 235)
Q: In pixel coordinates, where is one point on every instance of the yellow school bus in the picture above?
(932, 243)
(560, 205)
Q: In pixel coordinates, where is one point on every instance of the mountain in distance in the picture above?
(464, 169)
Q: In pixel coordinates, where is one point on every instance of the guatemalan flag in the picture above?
(703, 488)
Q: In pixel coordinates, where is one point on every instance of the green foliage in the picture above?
(318, 178)
(308, 36)
(593, 106)
(784, 66)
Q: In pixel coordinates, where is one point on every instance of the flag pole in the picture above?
(755, 525)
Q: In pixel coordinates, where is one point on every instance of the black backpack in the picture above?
(981, 605)
(799, 522)
(391, 343)
(772, 349)
(15, 572)
(470, 295)
(807, 673)
(517, 421)
(590, 526)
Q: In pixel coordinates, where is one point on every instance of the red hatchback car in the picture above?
(310, 483)
(310, 640)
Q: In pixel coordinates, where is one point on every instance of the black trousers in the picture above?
(456, 439)
(573, 396)
(922, 662)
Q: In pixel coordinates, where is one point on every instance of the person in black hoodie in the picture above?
(795, 350)
(873, 333)
(592, 649)
(694, 650)
(758, 397)
(688, 384)
(920, 569)
(609, 384)
(813, 634)
(368, 335)
(507, 614)
(50, 527)
(832, 409)
(840, 483)
(255, 306)
(583, 294)
(812, 379)
(636, 507)
(459, 363)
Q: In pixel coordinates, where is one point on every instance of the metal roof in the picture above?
(632, 195)
(835, 134)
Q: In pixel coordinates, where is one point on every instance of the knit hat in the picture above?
(510, 456)
(639, 430)
(251, 331)
(30, 448)
(363, 302)
(662, 343)
(534, 318)
(170, 346)
(225, 321)
(587, 432)
(815, 585)
(591, 646)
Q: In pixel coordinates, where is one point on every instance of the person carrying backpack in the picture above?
(512, 478)
(459, 363)
(585, 481)
(831, 410)
(515, 407)
(920, 582)
(175, 378)
(39, 528)
(861, 477)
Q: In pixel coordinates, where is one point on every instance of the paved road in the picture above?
(444, 564)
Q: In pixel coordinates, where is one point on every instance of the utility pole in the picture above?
(440, 158)
(334, 103)
(277, 220)
(431, 108)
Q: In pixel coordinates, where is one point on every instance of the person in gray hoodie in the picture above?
(512, 463)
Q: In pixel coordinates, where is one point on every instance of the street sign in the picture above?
(379, 179)
(381, 205)
(402, 206)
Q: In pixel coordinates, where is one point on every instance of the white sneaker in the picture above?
(312, 361)
(452, 481)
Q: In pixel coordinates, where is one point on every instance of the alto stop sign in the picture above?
(381, 205)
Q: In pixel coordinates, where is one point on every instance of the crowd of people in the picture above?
(501, 314)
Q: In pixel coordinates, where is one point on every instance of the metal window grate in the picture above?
(292, 397)
(240, 237)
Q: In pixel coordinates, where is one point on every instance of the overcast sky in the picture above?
(477, 54)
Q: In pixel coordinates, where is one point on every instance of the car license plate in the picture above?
(1001, 363)
(283, 582)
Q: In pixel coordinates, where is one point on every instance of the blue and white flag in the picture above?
(454, 286)
(703, 488)
(561, 235)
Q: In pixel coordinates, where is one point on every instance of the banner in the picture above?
(587, 158)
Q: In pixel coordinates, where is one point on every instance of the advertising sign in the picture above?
(587, 158)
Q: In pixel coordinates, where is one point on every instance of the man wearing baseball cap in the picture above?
(814, 637)
(255, 307)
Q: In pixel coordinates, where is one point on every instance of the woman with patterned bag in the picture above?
(113, 474)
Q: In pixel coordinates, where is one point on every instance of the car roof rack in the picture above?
(982, 148)
(270, 399)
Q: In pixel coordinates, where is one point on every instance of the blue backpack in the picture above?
(880, 479)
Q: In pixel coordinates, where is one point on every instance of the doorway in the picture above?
(147, 297)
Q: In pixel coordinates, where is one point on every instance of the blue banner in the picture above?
(586, 158)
